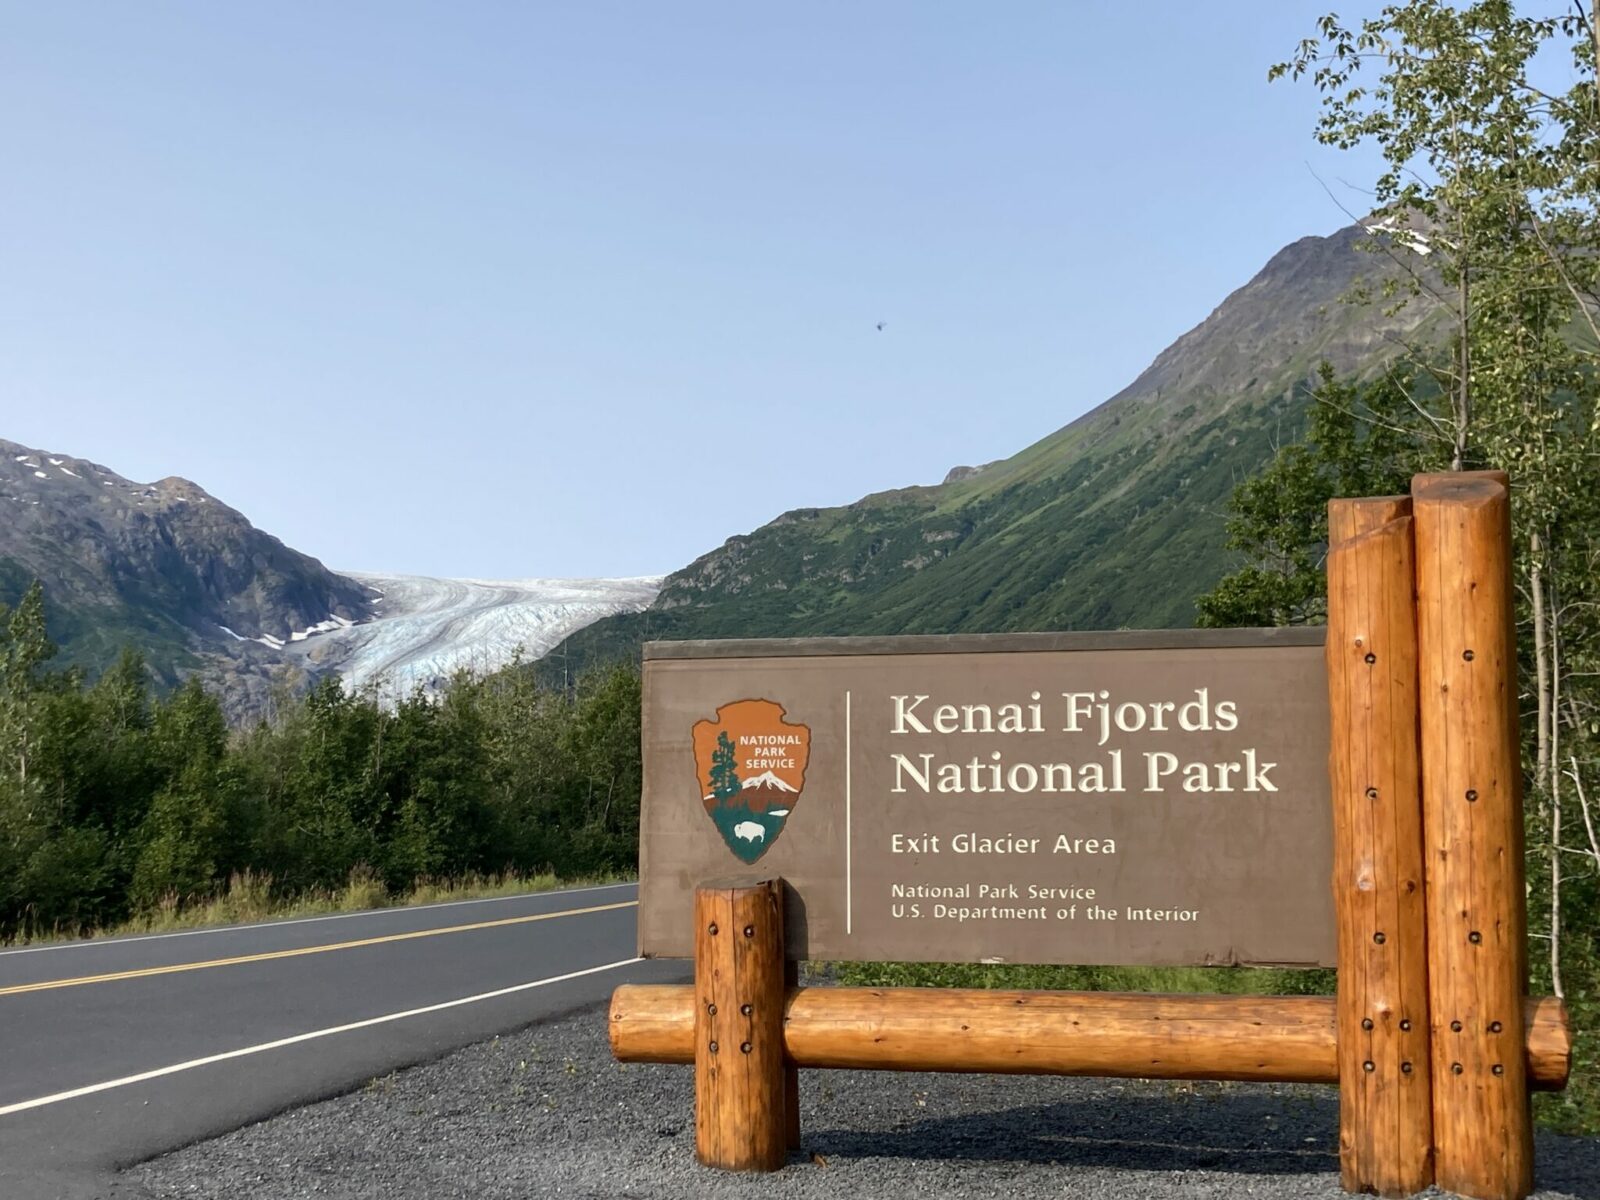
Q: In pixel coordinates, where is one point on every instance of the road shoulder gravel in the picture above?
(547, 1112)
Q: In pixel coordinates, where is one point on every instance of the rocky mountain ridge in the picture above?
(98, 535)
(168, 568)
(163, 566)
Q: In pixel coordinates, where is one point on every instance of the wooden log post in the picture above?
(1385, 1098)
(1262, 1039)
(741, 1121)
(1472, 815)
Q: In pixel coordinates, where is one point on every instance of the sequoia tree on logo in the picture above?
(751, 767)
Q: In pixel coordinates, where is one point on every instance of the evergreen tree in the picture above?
(182, 836)
(725, 782)
(1359, 443)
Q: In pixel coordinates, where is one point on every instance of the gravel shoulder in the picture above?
(547, 1112)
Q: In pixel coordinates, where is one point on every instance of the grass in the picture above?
(250, 897)
(1233, 981)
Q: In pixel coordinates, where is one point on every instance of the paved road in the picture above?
(114, 1051)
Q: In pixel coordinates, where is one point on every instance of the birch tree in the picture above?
(1488, 124)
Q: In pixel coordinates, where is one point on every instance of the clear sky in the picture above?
(516, 289)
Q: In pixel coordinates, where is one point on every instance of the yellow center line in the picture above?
(80, 981)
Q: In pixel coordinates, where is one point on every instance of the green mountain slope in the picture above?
(1114, 520)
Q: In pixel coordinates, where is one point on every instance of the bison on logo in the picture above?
(751, 765)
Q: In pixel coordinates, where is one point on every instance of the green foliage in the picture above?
(93, 633)
(1359, 442)
(724, 769)
(1251, 981)
(116, 802)
(1487, 195)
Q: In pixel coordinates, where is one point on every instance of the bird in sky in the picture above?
(881, 324)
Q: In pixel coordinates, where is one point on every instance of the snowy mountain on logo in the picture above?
(768, 780)
(764, 782)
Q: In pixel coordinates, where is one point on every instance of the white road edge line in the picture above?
(175, 1068)
(366, 912)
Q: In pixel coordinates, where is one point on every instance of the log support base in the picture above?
(1256, 1039)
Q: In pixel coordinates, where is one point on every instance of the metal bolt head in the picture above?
(1366, 1022)
(749, 931)
(1472, 795)
(712, 929)
(744, 1047)
(713, 1047)
(1368, 1066)
(711, 1010)
(1467, 655)
(746, 1009)
(1456, 1068)
(1371, 658)
(1475, 937)
(1405, 1068)
(1379, 937)
(1495, 1027)
(1372, 793)
(1497, 1069)
(1405, 1026)
(1455, 1026)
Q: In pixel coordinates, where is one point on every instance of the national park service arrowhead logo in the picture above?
(751, 765)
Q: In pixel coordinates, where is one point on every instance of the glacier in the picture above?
(426, 629)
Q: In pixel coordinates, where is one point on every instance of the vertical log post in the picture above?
(1385, 1099)
(740, 1106)
(1472, 815)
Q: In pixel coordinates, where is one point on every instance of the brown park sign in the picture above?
(1116, 798)
(1217, 796)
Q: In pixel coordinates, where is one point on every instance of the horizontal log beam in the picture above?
(1281, 1039)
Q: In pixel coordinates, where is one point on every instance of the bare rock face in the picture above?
(164, 566)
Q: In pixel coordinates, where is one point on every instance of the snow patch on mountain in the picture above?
(429, 628)
(768, 780)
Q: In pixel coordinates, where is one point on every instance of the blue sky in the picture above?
(481, 289)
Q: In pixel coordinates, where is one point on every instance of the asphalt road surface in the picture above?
(117, 1050)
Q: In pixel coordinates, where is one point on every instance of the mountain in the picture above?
(767, 780)
(170, 569)
(164, 566)
(1114, 520)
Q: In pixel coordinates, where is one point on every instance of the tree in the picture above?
(1487, 198)
(1357, 444)
(25, 823)
(724, 769)
(181, 838)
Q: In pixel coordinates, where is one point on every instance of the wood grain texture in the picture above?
(1472, 814)
(976, 1031)
(1549, 1042)
(1385, 1098)
(791, 1073)
(1351, 518)
(741, 1121)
